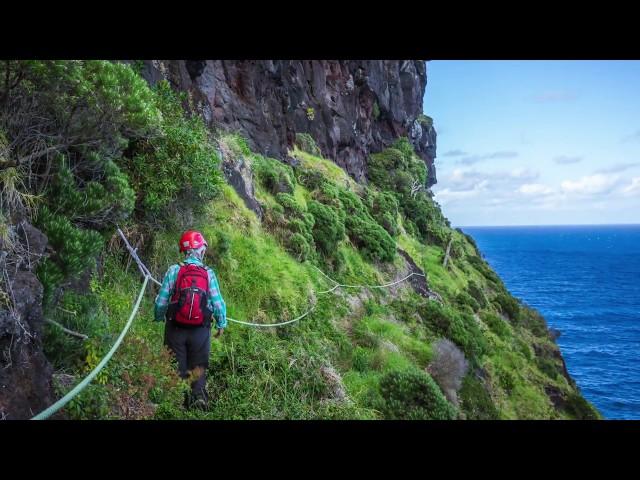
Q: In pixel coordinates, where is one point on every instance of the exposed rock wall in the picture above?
(351, 107)
(25, 374)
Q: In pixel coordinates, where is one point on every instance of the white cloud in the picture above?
(591, 185)
(534, 189)
(448, 196)
(633, 188)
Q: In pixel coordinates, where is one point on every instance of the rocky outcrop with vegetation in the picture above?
(350, 108)
(289, 169)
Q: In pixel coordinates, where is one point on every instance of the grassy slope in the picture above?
(276, 373)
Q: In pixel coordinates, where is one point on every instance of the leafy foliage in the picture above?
(383, 207)
(476, 402)
(179, 163)
(306, 143)
(75, 249)
(328, 228)
(275, 176)
(413, 395)
(460, 327)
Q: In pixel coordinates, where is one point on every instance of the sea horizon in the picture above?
(552, 225)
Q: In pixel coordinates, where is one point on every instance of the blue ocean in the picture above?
(585, 281)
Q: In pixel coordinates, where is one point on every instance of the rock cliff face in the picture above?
(351, 108)
(25, 373)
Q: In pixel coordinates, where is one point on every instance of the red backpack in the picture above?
(189, 302)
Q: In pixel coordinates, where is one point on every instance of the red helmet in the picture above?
(190, 240)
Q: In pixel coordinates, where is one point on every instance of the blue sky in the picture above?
(536, 142)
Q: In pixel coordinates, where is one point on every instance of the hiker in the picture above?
(189, 297)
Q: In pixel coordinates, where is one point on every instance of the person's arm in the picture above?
(217, 302)
(164, 295)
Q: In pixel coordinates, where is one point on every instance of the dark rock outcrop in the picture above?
(239, 175)
(419, 282)
(25, 373)
(350, 107)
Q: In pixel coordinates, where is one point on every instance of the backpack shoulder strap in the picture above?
(176, 292)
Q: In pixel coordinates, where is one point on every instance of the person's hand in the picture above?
(218, 333)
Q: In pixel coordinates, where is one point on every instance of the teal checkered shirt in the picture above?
(216, 302)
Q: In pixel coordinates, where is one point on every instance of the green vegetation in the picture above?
(143, 162)
(306, 143)
(177, 164)
(124, 145)
(425, 120)
(311, 113)
(400, 172)
(376, 110)
(413, 395)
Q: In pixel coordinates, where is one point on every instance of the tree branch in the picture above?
(32, 156)
(446, 255)
(66, 330)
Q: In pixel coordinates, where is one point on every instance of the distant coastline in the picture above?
(591, 225)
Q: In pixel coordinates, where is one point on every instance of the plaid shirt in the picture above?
(216, 303)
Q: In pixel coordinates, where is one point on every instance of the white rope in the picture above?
(146, 273)
(273, 324)
(83, 384)
(367, 286)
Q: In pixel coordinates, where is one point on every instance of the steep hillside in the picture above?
(451, 344)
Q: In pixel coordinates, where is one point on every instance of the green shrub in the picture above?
(470, 239)
(93, 102)
(328, 229)
(425, 120)
(298, 223)
(274, 176)
(548, 367)
(179, 164)
(386, 169)
(370, 238)
(476, 292)
(475, 401)
(220, 247)
(484, 269)
(299, 246)
(413, 395)
(75, 249)
(496, 324)
(580, 408)
(509, 306)
(533, 321)
(376, 110)
(383, 207)
(427, 217)
(463, 298)
(305, 142)
(97, 204)
(363, 231)
(88, 111)
(310, 177)
(460, 327)
(290, 204)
